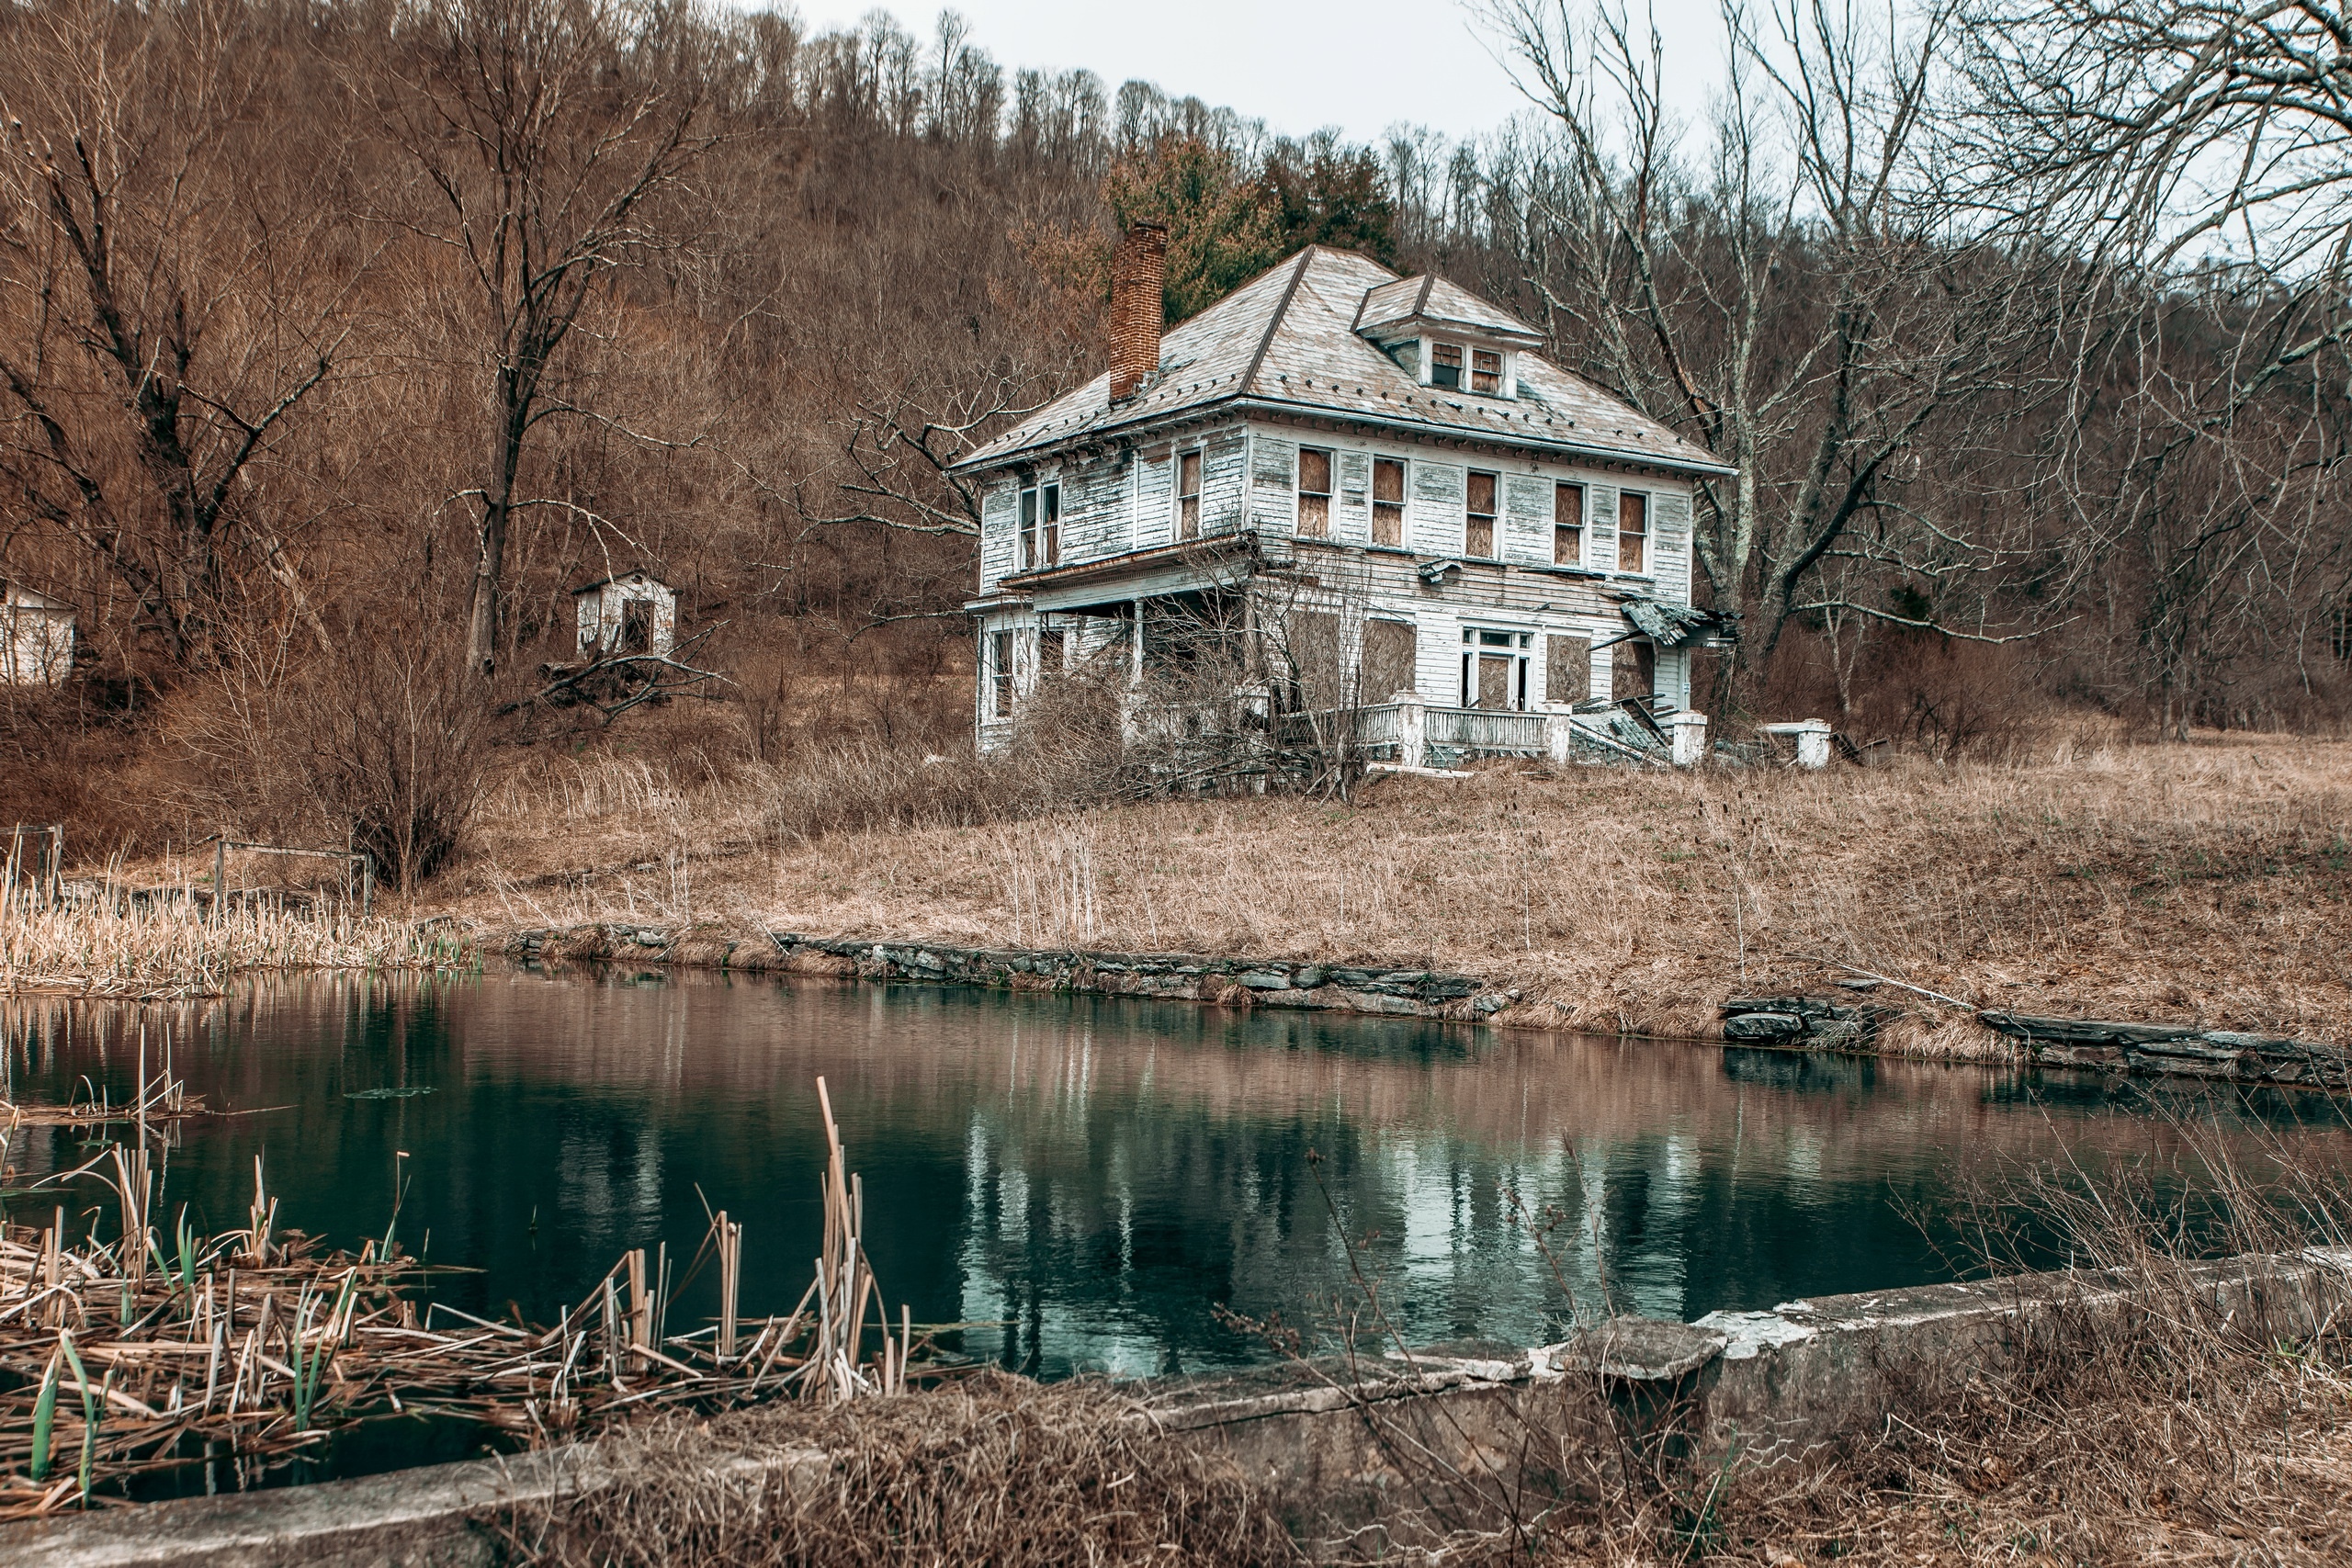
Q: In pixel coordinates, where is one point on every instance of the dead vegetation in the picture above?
(994, 1469)
(2082, 874)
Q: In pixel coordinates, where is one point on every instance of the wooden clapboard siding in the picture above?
(1224, 481)
(999, 512)
(1670, 545)
(1352, 506)
(1527, 518)
(1600, 527)
(1155, 501)
(1273, 468)
(1433, 493)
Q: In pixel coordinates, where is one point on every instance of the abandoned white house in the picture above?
(36, 637)
(1484, 540)
(632, 613)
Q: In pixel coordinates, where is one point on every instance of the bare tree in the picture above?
(548, 131)
(161, 334)
(1799, 306)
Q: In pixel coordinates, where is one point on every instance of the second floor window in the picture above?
(1188, 496)
(1567, 525)
(1041, 527)
(1633, 532)
(1387, 500)
(1486, 372)
(1314, 493)
(1479, 535)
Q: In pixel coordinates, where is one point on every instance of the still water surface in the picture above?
(1091, 1184)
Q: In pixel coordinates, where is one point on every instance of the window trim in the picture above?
(1493, 518)
(1520, 649)
(1403, 504)
(1642, 567)
(1038, 526)
(1002, 663)
(1328, 494)
(1189, 527)
(1577, 528)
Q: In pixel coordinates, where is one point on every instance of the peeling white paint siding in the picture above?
(36, 638)
(1434, 525)
(602, 610)
(999, 509)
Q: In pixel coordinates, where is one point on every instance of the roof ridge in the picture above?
(1274, 321)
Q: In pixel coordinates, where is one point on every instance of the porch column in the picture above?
(1689, 731)
(1412, 729)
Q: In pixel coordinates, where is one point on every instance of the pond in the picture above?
(1084, 1184)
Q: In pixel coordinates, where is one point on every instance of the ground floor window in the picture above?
(1387, 667)
(999, 674)
(1567, 669)
(1494, 668)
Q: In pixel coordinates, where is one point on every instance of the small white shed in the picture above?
(632, 613)
(36, 637)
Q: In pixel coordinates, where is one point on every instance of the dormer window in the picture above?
(1445, 365)
(1487, 371)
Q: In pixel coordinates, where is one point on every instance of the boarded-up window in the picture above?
(1314, 493)
(1445, 365)
(1632, 531)
(1567, 525)
(1478, 533)
(1486, 371)
(1388, 660)
(1001, 675)
(1387, 500)
(1567, 669)
(1188, 496)
(1634, 670)
(1314, 660)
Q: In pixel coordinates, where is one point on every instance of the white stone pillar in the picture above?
(1412, 729)
(1559, 736)
(1689, 731)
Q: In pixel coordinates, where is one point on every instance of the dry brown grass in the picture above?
(995, 1470)
(2211, 880)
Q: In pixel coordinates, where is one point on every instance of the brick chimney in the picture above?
(1139, 280)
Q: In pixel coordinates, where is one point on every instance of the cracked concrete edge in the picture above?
(1804, 1371)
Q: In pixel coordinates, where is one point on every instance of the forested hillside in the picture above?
(339, 342)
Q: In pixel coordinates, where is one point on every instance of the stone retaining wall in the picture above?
(1849, 1020)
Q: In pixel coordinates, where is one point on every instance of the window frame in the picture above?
(1576, 530)
(1404, 494)
(1520, 648)
(1191, 462)
(1640, 501)
(1477, 370)
(1301, 495)
(1491, 517)
(1001, 672)
(1459, 370)
(1049, 523)
(1025, 548)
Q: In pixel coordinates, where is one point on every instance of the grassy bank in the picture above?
(171, 948)
(2211, 880)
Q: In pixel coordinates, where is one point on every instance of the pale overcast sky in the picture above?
(1296, 64)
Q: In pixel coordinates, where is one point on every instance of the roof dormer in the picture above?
(1446, 336)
